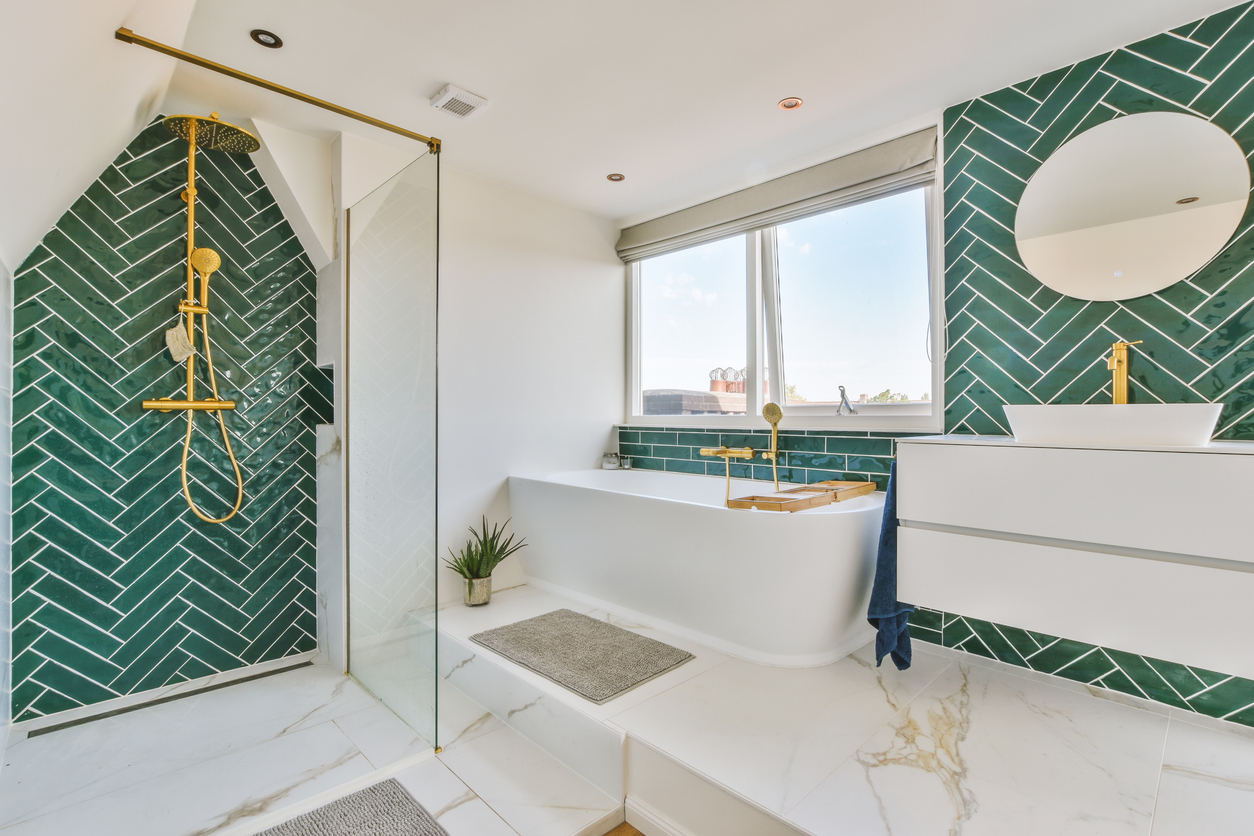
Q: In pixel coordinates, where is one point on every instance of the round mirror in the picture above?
(1132, 206)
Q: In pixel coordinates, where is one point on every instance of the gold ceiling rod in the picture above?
(127, 36)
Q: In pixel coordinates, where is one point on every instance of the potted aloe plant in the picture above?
(482, 553)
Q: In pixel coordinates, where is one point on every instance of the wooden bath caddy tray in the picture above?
(799, 499)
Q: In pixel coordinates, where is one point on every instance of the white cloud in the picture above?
(805, 249)
(784, 237)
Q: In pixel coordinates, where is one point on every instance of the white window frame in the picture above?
(762, 335)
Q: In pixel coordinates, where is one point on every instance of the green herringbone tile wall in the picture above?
(117, 587)
(1013, 340)
(1182, 686)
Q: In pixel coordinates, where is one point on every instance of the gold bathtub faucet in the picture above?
(1118, 365)
(727, 454)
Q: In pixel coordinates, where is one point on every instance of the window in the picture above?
(692, 330)
(791, 313)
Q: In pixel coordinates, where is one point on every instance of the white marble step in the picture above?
(529, 790)
(581, 734)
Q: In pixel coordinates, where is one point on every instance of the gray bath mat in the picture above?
(382, 810)
(596, 660)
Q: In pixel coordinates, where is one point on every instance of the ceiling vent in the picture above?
(458, 102)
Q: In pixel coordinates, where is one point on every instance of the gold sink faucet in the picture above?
(1118, 365)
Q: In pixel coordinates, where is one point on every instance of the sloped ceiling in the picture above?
(680, 97)
(72, 98)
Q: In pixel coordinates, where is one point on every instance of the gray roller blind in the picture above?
(899, 163)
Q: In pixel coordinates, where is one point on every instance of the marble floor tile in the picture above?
(1207, 783)
(450, 802)
(61, 768)
(461, 718)
(531, 790)
(772, 734)
(211, 796)
(381, 736)
(983, 753)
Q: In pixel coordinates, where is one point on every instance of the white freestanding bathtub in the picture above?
(777, 588)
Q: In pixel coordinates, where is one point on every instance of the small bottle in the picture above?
(609, 461)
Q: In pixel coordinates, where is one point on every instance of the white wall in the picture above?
(532, 313)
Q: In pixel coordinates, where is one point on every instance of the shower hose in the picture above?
(226, 439)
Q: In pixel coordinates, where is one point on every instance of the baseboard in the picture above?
(143, 698)
(651, 822)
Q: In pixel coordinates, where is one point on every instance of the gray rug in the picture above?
(596, 660)
(382, 810)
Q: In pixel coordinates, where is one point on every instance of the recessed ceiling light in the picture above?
(790, 103)
(266, 39)
(1184, 200)
(616, 178)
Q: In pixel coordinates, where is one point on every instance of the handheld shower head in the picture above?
(205, 261)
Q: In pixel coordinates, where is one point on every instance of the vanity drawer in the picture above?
(1155, 608)
(1183, 503)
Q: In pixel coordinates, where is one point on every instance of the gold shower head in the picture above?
(212, 134)
(772, 413)
(205, 260)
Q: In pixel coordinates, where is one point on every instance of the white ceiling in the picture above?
(679, 95)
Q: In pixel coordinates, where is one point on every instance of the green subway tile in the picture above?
(652, 437)
(1057, 655)
(1147, 679)
(822, 461)
(925, 635)
(786, 474)
(927, 619)
(683, 466)
(647, 463)
(802, 443)
(997, 644)
(635, 450)
(868, 464)
(974, 646)
(628, 437)
(1225, 698)
(756, 441)
(813, 476)
(1184, 681)
(698, 439)
(1117, 680)
(664, 452)
(1087, 668)
(860, 446)
(956, 632)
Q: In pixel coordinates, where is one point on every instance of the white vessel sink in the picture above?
(1110, 425)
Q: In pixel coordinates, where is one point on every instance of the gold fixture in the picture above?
(127, 36)
(204, 133)
(1118, 364)
(773, 415)
(727, 454)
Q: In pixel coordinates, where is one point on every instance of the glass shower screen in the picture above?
(391, 442)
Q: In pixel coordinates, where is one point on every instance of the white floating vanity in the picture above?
(1148, 550)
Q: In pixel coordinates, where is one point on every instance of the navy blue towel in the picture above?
(886, 614)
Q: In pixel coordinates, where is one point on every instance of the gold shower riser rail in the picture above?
(127, 36)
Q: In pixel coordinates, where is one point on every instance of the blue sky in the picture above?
(853, 304)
